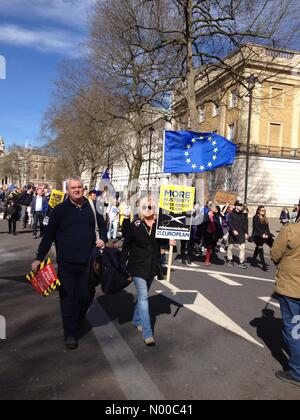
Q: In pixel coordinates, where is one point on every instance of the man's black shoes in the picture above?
(71, 343)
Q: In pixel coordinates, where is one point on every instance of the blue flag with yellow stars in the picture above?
(190, 152)
(105, 175)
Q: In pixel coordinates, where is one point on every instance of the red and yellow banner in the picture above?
(45, 280)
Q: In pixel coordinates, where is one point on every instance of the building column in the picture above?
(256, 113)
(222, 127)
(296, 119)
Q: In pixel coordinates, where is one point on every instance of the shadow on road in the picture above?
(269, 329)
(122, 312)
(19, 279)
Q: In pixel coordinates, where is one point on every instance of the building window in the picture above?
(228, 180)
(212, 181)
(279, 54)
(201, 113)
(36, 177)
(215, 110)
(231, 132)
(275, 134)
(233, 98)
(181, 122)
(277, 97)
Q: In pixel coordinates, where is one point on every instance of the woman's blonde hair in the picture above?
(146, 200)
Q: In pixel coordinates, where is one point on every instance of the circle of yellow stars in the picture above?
(187, 153)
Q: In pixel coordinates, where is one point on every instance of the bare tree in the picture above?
(133, 84)
(74, 131)
(145, 55)
(14, 165)
(203, 32)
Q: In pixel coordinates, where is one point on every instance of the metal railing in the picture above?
(269, 151)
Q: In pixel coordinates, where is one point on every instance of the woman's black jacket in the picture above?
(141, 251)
(260, 229)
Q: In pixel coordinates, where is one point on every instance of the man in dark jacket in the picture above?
(26, 200)
(12, 210)
(238, 233)
(72, 228)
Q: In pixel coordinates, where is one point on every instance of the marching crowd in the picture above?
(27, 205)
(85, 223)
(215, 229)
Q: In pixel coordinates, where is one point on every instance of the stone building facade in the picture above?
(32, 167)
(223, 108)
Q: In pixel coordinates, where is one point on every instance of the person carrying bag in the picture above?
(107, 268)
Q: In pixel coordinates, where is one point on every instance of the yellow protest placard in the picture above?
(56, 198)
(177, 199)
(174, 222)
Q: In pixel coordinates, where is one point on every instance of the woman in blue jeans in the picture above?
(141, 252)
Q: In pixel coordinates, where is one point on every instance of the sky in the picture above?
(35, 37)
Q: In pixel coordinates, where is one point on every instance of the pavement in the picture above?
(218, 333)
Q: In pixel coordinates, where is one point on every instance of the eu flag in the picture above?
(106, 175)
(190, 152)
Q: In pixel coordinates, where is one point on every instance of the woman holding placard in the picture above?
(141, 253)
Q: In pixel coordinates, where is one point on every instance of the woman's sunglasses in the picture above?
(147, 208)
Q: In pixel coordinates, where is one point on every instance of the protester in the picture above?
(26, 200)
(39, 207)
(261, 235)
(113, 218)
(212, 232)
(92, 195)
(238, 234)
(104, 203)
(191, 248)
(141, 252)
(224, 214)
(136, 210)
(3, 191)
(286, 255)
(125, 214)
(72, 228)
(12, 210)
(201, 226)
(187, 247)
(284, 216)
(294, 214)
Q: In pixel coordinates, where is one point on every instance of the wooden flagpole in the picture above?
(170, 260)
